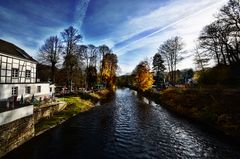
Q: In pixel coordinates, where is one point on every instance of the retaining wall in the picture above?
(48, 110)
(16, 127)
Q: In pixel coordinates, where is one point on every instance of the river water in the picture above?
(127, 126)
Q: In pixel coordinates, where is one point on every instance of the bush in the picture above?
(220, 75)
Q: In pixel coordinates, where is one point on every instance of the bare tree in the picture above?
(93, 54)
(171, 51)
(229, 14)
(50, 53)
(82, 55)
(201, 58)
(222, 37)
(71, 37)
(104, 49)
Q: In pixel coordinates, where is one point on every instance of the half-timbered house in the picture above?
(18, 74)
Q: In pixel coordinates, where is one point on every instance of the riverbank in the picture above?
(126, 127)
(216, 107)
(75, 105)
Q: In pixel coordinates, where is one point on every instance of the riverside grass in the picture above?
(75, 105)
(216, 107)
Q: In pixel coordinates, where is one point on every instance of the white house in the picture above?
(18, 74)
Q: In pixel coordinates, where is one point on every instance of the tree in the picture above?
(50, 52)
(158, 63)
(91, 73)
(103, 50)
(171, 51)
(93, 54)
(71, 38)
(186, 74)
(143, 76)
(201, 58)
(159, 68)
(211, 41)
(229, 20)
(221, 38)
(109, 70)
(229, 14)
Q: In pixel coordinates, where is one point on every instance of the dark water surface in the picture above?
(126, 127)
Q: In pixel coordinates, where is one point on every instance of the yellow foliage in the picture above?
(144, 78)
(196, 76)
(109, 70)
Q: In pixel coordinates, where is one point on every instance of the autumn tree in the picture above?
(109, 70)
(49, 53)
(103, 50)
(171, 51)
(71, 37)
(143, 76)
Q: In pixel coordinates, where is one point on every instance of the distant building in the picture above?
(18, 74)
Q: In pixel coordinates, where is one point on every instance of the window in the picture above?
(15, 72)
(28, 74)
(39, 89)
(50, 89)
(14, 91)
(28, 90)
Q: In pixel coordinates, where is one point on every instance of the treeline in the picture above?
(78, 65)
(218, 41)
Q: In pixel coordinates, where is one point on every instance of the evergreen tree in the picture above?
(159, 68)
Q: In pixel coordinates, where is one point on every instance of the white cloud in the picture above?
(185, 18)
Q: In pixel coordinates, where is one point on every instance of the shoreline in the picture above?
(202, 106)
(83, 102)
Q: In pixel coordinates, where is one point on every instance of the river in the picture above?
(127, 126)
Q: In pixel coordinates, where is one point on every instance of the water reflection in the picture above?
(126, 126)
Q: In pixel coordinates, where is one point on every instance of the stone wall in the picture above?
(48, 110)
(15, 133)
(17, 125)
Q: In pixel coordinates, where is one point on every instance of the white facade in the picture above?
(18, 78)
(36, 89)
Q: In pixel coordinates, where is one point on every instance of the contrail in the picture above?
(166, 27)
(81, 10)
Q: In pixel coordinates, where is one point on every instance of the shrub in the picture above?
(220, 75)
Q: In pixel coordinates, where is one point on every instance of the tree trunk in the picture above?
(53, 69)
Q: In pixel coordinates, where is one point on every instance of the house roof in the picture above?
(12, 50)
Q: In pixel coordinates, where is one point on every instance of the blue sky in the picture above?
(134, 29)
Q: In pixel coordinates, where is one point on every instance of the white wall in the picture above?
(11, 115)
(6, 90)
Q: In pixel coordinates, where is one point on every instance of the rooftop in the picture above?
(12, 50)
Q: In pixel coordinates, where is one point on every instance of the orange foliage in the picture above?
(143, 76)
(109, 70)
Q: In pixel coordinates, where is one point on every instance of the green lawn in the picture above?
(75, 105)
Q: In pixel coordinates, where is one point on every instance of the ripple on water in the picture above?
(126, 127)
